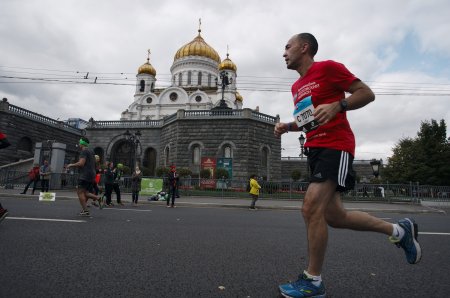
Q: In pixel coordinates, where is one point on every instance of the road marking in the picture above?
(432, 233)
(122, 209)
(45, 219)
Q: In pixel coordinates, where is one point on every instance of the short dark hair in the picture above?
(311, 40)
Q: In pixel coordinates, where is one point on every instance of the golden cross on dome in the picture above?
(148, 55)
(228, 50)
(199, 25)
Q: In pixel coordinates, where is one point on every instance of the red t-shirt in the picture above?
(326, 82)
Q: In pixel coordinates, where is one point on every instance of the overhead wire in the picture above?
(23, 75)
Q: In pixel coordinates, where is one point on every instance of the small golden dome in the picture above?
(227, 64)
(147, 68)
(197, 47)
(239, 97)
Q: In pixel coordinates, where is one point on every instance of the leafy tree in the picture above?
(205, 174)
(183, 172)
(296, 175)
(221, 172)
(425, 159)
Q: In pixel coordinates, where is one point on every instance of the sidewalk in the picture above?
(225, 202)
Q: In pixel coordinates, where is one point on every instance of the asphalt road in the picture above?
(153, 251)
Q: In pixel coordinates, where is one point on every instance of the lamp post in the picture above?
(134, 140)
(302, 139)
(225, 81)
(375, 167)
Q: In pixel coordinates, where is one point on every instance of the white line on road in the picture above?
(45, 219)
(136, 210)
(432, 233)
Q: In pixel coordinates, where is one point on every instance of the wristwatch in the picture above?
(344, 105)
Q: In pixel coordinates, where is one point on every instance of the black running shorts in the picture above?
(86, 185)
(329, 164)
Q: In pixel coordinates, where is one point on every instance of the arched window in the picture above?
(189, 77)
(174, 80)
(227, 152)
(25, 144)
(142, 84)
(180, 79)
(264, 157)
(196, 155)
(209, 80)
(200, 78)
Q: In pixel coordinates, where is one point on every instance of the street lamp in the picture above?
(134, 141)
(302, 139)
(375, 167)
(225, 81)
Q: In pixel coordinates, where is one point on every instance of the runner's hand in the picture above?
(280, 128)
(326, 112)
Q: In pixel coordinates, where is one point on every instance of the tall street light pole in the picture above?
(375, 167)
(302, 139)
(134, 140)
(224, 82)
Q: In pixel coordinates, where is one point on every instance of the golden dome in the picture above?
(239, 97)
(227, 64)
(197, 47)
(147, 68)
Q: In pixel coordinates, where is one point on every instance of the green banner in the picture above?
(151, 186)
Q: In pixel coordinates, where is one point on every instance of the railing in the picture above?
(41, 118)
(411, 193)
(127, 123)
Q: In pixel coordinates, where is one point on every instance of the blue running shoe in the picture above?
(409, 241)
(303, 287)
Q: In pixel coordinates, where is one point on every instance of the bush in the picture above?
(296, 175)
(205, 174)
(221, 173)
(183, 172)
(162, 171)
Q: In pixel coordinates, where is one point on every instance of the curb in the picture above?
(428, 210)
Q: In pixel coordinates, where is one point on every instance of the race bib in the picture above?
(303, 115)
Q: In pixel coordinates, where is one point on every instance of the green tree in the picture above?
(296, 175)
(425, 159)
(221, 172)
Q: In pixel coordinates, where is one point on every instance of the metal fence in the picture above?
(189, 186)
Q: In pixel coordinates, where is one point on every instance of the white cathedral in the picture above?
(199, 81)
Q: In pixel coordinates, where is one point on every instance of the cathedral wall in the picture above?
(247, 137)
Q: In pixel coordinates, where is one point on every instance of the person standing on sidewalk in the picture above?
(33, 176)
(173, 185)
(45, 171)
(3, 144)
(118, 171)
(254, 191)
(109, 182)
(86, 165)
(136, 179)
(320, 111)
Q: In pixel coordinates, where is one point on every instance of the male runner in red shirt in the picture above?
(320, 110)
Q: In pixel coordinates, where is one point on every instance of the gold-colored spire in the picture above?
(227, 63)
(147, 67)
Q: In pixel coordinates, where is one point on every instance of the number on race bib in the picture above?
(303, 115)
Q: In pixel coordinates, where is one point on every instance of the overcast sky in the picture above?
(399, 48)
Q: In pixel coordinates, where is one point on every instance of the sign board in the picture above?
(227, 164)
(151, 186)
(208, 163)
(47, 196)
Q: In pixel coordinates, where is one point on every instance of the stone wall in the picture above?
(24, 129)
